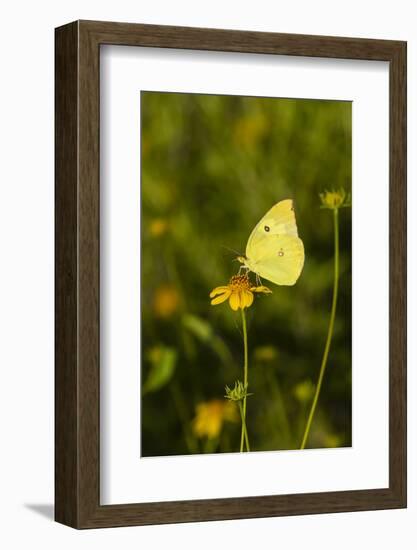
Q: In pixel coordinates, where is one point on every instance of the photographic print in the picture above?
(203, 274)
(246, 281)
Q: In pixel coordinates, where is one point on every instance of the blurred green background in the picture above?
(211, 168)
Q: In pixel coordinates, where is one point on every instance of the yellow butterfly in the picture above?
(274, 251)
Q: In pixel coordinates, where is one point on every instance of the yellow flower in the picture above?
(265, 354)
(166, 301)
(239, 291)
(332, 441)
(335, 199)
(158, 227)
(210, 417)
(250, 129)
(304, 391)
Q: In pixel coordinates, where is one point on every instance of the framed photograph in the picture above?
(230, 274)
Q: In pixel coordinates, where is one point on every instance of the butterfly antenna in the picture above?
(231, 250)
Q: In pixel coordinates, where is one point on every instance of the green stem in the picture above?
(245, 382)
(183, 416)
(245, 431)
(330, 330)
(278, 398)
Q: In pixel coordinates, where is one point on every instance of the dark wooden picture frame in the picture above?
(77, 371)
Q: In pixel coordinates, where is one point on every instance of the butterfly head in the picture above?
(241, 259)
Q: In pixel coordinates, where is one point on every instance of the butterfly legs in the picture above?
(243, 267)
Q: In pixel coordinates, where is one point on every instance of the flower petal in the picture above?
(261, 288)
(235, 301)
(247, 298)
(218, 290)
(222, 298)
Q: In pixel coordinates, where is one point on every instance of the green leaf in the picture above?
(203, 331)
(163, 361)
(200, 328)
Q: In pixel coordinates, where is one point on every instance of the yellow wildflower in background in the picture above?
(335, 199)
(265, 354)
(239, 291)
(166, 301)
(158, 227)
(332, 441)
(304, 391)
(250, 129)
(210, 417)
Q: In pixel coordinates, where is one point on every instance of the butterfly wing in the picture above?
(280, 259)
(274, 250)
(279, 220)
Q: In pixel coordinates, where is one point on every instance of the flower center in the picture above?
(239, 282)
(334, 199)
